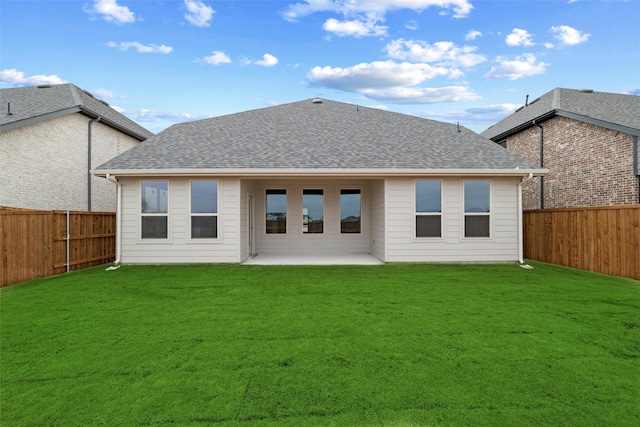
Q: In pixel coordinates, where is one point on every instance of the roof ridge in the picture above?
(74, 93)
(556, 99)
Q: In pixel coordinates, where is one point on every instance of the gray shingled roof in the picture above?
(316, 135)
(612, 110)
(33, 104)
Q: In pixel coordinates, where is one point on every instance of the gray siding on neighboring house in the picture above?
(44, 165)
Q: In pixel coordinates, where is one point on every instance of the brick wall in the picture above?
(44, 166)
(588, 165)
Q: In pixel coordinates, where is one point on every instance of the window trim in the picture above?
(190, 215)
(416, 213)
(286, 206)
(324, 211)
(487, 214)
(359, 233)
(154, 240)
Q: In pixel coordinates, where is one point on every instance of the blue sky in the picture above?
(467, 61)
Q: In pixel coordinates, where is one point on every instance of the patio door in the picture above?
(251, 221)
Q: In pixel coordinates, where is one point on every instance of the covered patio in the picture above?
(313, 259)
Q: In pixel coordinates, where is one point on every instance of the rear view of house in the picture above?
(318, 177)
(587, 140)
(50, 137)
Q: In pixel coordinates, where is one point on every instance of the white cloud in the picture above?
(267, 60)
(15, 77)
(106, 93)
(472, 35)
(482, 116)
(569, 36)
(421, 95)
(198, 13)
(378, 75)
(354, 28)
(372, 8)
(522, 66)
(141, 48)
(217, 57)
(519, 37)
(145, 115)
(441, 53)
(111, 11)
(389, 81)
(411, 25)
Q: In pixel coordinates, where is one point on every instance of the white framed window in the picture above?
(477, 208)
(313, 211)
(350, 211)
(276, 211)
(154, 209)
(428, 214)
(204, 209)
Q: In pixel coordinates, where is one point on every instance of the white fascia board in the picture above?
(301, 173)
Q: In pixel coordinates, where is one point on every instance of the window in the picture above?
(276, 213)
(429, 208)
(204, 209)
(154, 209)
(312, 211)
(350, 217)
(477, 208)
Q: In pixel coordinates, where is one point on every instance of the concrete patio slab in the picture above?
(316, 259)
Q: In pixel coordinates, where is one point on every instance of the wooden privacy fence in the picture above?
(603, 239)
(42, 243)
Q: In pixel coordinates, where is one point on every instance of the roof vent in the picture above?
(104, 102)
(586, 90)
(88, 93)
(316, 101)
(43, 86)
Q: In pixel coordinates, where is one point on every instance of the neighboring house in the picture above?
(587, 140)
(318, 177)
(48, 136)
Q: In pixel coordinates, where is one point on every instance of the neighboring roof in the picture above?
(313, 135)
(34, 104)
(610, 110)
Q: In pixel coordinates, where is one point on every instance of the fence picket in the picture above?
(33, 243)
(604, 239)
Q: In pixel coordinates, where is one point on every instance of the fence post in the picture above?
(68, 239)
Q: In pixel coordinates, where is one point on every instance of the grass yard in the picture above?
(389, 345)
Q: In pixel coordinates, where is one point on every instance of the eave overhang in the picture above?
(317, 173)
(64, 112)
(579, 117)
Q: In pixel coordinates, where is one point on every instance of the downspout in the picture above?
(97, 119)
(541, 163)
(520, 222)
(118, 219)
(636, 163)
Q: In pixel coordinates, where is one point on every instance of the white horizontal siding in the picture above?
(178, 248)
(402, 246)
(377, 218)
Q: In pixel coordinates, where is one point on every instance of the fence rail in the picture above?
(604, 239)
(42, 243)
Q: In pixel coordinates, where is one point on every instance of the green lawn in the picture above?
(389, 345)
